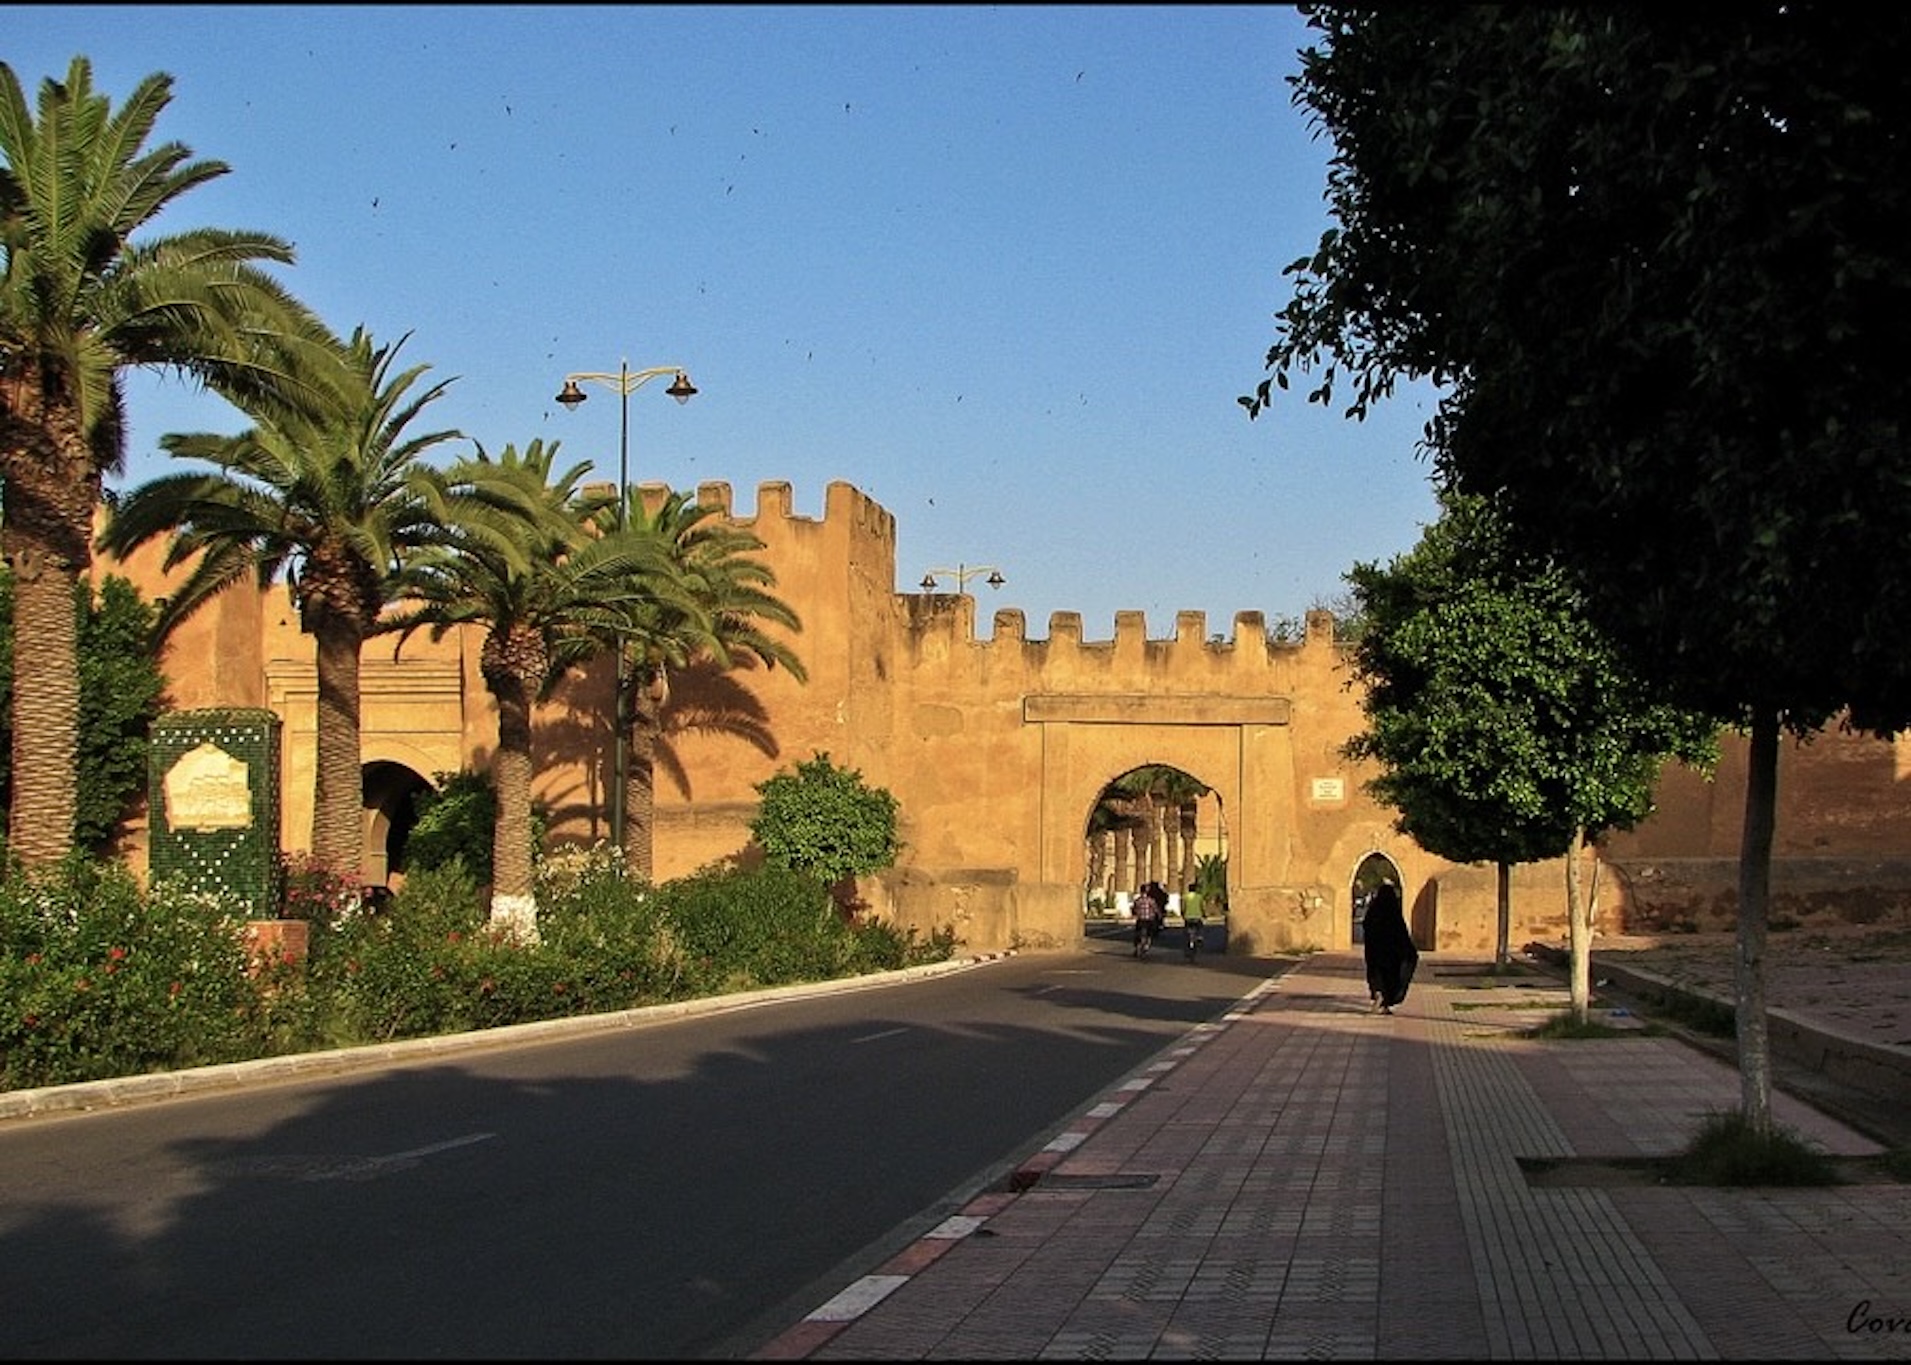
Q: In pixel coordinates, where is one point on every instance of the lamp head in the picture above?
(681, 388)
(571, 395)
(995, 580)
(928, 582)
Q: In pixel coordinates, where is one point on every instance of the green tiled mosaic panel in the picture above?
(240, 862)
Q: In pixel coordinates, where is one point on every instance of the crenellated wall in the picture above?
(998, 748)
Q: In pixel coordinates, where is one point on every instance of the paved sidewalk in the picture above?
(1304, 1179)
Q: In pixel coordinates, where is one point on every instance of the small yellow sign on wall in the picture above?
(1329, 790)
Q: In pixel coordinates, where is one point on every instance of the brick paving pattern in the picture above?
(1306, 1180)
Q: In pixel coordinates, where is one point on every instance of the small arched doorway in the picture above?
(1372, 870)
(390, 813)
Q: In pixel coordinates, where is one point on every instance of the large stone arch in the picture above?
(1228, 743)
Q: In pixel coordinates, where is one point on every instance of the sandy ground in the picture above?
(1854, 980)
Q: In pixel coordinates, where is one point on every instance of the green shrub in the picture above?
(1727, 1151)
(824, 821)
(457, 821)
(737, 930)
(98, 979)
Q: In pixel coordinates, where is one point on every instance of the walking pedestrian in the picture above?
(1389, 949)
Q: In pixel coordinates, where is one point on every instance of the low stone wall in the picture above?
(1875, 1069)
(1700, 895)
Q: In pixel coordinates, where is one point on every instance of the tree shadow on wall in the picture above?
(707, 700)
(573, 738)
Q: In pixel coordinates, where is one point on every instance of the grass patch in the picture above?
(1511, 1005)
(1564, 1025)
(1728, 1151)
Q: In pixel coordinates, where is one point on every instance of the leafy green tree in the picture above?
(534, 590)
(456, 821)
(85, 296)
(716, 602)
(1508, 729)
(825, 821)
(1655, 260)
(121, 693)
(328, 501)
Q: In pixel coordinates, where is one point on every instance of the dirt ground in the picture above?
(1855, 980)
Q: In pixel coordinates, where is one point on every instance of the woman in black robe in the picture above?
(1391, 956)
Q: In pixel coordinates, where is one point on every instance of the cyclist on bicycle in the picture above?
(1151, 903)
(1192, 920)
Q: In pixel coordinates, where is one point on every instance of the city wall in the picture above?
(998, 747)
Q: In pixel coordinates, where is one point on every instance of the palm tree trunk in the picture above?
(1190, 827)
(513, 897)
(640, 790)
(338, 795)
(46, 699)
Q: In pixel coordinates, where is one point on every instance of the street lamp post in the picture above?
(625, 382)
(962, 573)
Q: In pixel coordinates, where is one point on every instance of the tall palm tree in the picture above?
(535, 593)
(80, 303)
(1179, 793)
(721, 614)
(331, 502)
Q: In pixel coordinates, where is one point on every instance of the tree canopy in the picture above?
(1507, 727)
(1655, 258)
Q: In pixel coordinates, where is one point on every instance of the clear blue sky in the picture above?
(1006, 270)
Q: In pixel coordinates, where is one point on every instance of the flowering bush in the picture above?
(311, 891)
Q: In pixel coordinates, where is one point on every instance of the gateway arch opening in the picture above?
(1155, 823)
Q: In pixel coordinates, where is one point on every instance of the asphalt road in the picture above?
(686, 1189)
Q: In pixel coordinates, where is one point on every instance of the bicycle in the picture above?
(1146, 929)
(1194, 930)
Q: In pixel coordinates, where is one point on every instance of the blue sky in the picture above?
(1007, 270)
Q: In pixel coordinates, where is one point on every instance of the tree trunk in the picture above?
(640, 792)
(513, 899)
(1501, 953)
(1754, 898)
(52, 489)
(338, 795)
(46, 702)
(1190, 827)
(1578, 935)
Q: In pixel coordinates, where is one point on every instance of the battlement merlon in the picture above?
(848, 505)
(841, 501)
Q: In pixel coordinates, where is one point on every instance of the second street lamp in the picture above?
(625, 382)
(962, 573)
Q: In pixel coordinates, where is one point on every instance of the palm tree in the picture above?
(331, 502)
(1179, 793)
(718, 612)
(535, 594)
(81, 302)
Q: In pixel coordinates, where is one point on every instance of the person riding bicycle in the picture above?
(1151, 904)
(1192, 919)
